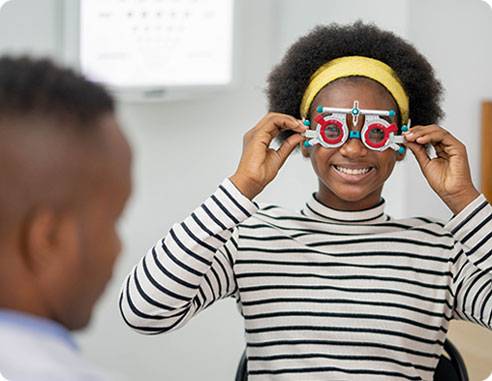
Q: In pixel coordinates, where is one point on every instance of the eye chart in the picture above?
(146, 43)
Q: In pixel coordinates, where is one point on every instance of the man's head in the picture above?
(65, 178)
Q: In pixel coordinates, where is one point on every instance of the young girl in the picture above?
(339, 290)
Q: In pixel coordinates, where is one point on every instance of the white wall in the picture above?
(30, 27)
(172, 177)
(455, 36)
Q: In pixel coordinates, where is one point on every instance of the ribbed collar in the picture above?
(316, 209)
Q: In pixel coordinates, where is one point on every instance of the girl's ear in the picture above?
(306, 151)
(401, 156)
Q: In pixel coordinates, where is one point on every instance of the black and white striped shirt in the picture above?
(325, 294)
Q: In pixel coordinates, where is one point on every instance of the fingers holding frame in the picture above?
(259, 162)
(269, 127)
(445, 144)
(272, 124)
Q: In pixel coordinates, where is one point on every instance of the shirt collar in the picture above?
(317, 210)
(37, 324)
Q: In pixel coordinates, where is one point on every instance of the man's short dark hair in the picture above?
(39, 87)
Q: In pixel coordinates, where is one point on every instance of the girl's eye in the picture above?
(376, 135)
(332, 131)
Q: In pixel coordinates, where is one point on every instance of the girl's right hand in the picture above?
(259, 163)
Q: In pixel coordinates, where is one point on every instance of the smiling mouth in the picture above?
(353, 171)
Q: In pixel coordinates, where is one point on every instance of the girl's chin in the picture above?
(352, 197)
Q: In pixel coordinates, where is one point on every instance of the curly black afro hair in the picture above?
(289, 79)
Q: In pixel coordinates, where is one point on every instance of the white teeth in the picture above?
(350, 171)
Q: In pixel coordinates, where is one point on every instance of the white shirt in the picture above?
(38, 349)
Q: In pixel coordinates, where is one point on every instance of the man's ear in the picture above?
(48, 238)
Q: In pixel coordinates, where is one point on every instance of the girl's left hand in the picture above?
(448, 174)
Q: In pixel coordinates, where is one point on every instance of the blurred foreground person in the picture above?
(65, 175)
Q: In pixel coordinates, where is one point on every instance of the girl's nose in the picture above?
(353, 148)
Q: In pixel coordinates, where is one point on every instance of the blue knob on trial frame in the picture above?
(354, 134)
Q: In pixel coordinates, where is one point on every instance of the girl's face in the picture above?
(351, 177)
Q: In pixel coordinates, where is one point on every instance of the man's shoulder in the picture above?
(26, 356)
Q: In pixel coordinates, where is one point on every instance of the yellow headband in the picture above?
(356, 66)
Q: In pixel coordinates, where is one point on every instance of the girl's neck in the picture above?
(331, 200)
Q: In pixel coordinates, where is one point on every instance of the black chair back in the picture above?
(451, 365)
(242, 368)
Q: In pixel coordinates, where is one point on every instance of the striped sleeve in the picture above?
(190, 268)
(472, 278)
